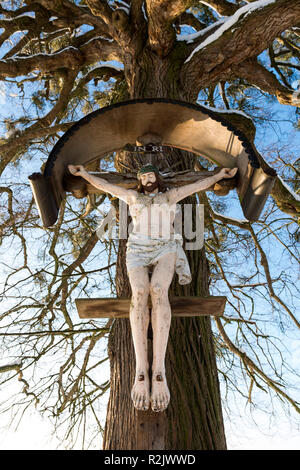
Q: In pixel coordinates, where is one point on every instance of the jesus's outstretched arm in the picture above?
(126, 195)
(177, 194)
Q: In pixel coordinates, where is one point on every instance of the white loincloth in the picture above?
(146, 251)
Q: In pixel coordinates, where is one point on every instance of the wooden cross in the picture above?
(150, 427)
(80, 188)
(180, 307)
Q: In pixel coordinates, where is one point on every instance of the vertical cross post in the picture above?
(151, 426)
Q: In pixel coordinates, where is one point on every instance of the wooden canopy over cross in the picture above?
(194, 128)
(198, 129)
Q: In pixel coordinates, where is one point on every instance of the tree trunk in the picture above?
(193, 419)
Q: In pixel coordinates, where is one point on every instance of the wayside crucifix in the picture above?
(152, 243)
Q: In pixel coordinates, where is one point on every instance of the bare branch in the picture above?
(15, 13)
(102, 9)
(288, 64)
(249, 363)
(223, 94)
(191, 20)
(162, 14)
(70, 57)
(137, 13)
(290, 45)
(265, 265)
(8, 150)
(250, 31)
(256, 74)
(10, 367)
(286, 199)
(99, 73)
(223, 7)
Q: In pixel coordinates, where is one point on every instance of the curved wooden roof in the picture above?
(199, 129)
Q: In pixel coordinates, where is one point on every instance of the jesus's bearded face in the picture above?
(149, 181)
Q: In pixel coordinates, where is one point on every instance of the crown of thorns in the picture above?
(147, 169)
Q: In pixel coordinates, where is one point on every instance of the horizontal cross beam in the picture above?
(180, 307)
(80, 187)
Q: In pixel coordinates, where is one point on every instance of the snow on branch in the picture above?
(242, 223)
(289, 189)
(285, 198)
(221, 7)
(190, 38)
(98, 48)
(230, 23)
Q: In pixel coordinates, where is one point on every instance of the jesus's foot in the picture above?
(160, 395)
(140, 391)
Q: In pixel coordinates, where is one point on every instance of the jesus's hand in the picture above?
(77, 170)
(227, 173)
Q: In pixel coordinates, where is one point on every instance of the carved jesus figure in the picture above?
(152, 242)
